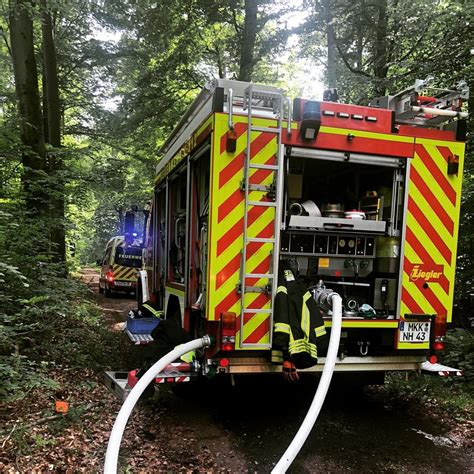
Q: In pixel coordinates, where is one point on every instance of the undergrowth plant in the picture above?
(46, 319)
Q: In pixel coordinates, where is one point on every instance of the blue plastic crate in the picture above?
(142, 325)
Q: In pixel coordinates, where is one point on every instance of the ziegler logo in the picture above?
(420, 271)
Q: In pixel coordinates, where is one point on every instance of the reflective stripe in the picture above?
(282, 289)
(282, 327)
(320, 331)
(305, 317)
(277, 356)
(307, 296)
(153, 311)
(303, 346)
(289, 275)
(188, 357)
(308, 350)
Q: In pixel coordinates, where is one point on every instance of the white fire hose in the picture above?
(111, 457)
(327, 300)
(334, 301)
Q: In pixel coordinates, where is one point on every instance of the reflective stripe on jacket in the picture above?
(148, 309)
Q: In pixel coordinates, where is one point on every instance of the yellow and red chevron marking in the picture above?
(227, 226)
(124, 273)
(431, 229)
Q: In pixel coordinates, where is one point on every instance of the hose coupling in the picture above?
(323, 296)
(207, 341)
(324, 299)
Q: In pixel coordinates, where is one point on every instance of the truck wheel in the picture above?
(108, 292)
(101, 290)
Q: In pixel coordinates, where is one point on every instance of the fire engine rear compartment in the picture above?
(359, 258)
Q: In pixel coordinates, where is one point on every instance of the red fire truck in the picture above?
(362, 199)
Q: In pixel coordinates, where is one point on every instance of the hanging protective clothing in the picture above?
(297, 323)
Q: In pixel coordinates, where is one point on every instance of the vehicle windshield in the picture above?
(129, 256)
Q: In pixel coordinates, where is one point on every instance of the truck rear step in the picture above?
(120, 383)
(116, 382)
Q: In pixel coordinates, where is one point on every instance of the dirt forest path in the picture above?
(116, 308)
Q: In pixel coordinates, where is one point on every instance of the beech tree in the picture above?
(52, 121)
(247, 44)
(29, 105)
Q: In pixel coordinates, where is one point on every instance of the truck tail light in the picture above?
(109, 276)
(228, 330)
(439, 332)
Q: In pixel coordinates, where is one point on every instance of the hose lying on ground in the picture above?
(318, 400)
(111, 457)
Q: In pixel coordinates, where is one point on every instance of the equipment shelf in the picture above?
(332, 224)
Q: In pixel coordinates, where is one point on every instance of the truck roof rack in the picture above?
(215, 96)
(438, 106)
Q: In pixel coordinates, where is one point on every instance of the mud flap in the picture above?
(439, 370)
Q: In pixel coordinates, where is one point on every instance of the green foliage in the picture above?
(452, 394)
(60, 326)
(20, 375)
(422, 391)
(45, 319)
(381, 46)
(460, 352)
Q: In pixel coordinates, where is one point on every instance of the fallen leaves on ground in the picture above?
(36, 439)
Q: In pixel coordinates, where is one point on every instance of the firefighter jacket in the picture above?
(297, 323)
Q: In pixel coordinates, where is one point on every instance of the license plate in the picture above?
(414, 331)
(123, 283)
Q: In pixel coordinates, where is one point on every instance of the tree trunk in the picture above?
(380, 65)
(359, 40)
(331, 47)
(26, 84)
(53, 118)
(247, 44)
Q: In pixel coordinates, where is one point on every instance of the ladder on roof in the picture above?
(265, 202)
(412, 107)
